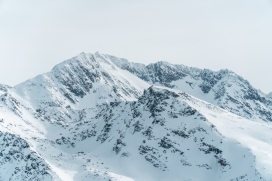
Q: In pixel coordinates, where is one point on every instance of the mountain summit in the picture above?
(100, 117)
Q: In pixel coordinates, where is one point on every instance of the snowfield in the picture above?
(99, 117)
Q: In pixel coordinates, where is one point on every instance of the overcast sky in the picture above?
(216, 34)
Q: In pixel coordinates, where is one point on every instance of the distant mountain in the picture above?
(99, 117)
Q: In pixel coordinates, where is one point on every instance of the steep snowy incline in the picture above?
(19, 159)
(223, 88)
(19, 162)
(29, 150)
(78, 84)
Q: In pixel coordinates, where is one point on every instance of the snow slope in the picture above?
(98, 117)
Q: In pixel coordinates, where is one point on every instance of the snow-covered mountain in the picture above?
(99, 117)
(223, 88)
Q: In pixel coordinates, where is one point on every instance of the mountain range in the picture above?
(100, 117)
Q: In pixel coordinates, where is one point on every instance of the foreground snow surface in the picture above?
(89, 119)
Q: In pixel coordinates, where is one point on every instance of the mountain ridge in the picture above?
(212, 87)
(91, 116)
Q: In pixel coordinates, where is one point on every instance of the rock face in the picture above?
(99, 117)
(19, 162)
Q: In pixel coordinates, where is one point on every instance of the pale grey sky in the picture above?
(216, 34)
